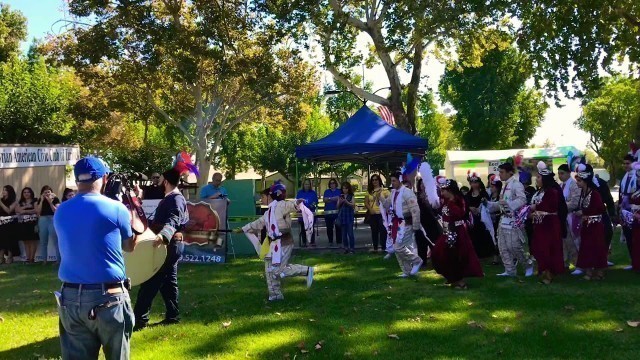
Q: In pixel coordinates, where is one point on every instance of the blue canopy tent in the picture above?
(364, 138)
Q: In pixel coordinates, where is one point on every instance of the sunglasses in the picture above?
(155, 177)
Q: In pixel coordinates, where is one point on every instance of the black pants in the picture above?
(378, 232)
(303, 234)
(330, 220)
(628, 235)
(165, 281)
(608, 229)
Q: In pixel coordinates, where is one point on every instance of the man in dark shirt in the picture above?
(155, 191)
(170, 217)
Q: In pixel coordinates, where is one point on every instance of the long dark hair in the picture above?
(370, 187)
(548, 182)
(66, 192)
(498, 185)
(11, 194)
(33, 195)
(347, 185)
(454, 189)
(45, 188)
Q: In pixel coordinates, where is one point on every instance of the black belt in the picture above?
(105, 286)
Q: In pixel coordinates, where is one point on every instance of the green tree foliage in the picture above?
(36, 102)
(203, 66)
(13, 31)
(494, 108)
(609, 116)
(569, 41)
(400, 32)
(236, 150)
(275, 150)
(437, 128)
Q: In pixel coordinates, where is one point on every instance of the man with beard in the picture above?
(170, 217)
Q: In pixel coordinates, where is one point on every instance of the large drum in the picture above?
(145, 260)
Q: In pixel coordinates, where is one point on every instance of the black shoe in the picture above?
(168, 322)
(140, 326)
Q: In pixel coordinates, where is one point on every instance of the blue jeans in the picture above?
(48, 246)
(81, 337)
(347, 235)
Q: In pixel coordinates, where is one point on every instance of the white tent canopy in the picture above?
(484, 162)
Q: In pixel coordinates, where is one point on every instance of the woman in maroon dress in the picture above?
(453, 255)
(592, 256)
(548, 212)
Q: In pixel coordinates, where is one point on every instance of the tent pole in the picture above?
(297, 175)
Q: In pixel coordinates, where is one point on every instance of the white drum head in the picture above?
(145, 260)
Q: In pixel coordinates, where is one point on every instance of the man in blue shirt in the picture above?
(214, 190)
(94, 307)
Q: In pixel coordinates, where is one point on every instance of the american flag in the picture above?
(387, 115)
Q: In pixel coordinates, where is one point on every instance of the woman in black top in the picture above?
(429, 222)
(46, 207)
(27, 223)
(480, 236)
(8, 241)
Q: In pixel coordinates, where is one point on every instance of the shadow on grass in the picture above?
(44, 349)
(356, 302)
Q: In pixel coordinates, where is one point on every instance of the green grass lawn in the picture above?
(354, 305)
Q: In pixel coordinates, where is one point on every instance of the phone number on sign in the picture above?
(202, 258)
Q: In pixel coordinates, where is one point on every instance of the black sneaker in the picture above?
(140, 326)
(168, 322)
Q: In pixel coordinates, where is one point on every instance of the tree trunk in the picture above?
(204, 166)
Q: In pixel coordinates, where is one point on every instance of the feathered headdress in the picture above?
(410, 166)
(543, 169)
(183, 164)
(584, 171)
(472, 176)
(430, 185)
(277, 188)
(444, 183)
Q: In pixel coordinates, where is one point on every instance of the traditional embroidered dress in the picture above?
(571, 242)
(276, 264)
(453, 255)
(511, 238)
(547, 233)
(593, 247)
(404, 221)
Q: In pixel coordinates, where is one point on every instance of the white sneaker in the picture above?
(276, 298)
(529, 271)
(388, 256)
(310, 276)
(416, 268)
(504, 274)
(628, 267)
(609, 263)
(403, 275)
(577, 272)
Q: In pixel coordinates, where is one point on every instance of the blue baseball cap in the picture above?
(90, 169)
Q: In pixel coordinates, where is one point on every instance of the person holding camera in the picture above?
(46, 206)
(93, 304)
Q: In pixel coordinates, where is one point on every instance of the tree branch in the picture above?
(168, 117)
(363, 94)
(336, 6)
(630, 19)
